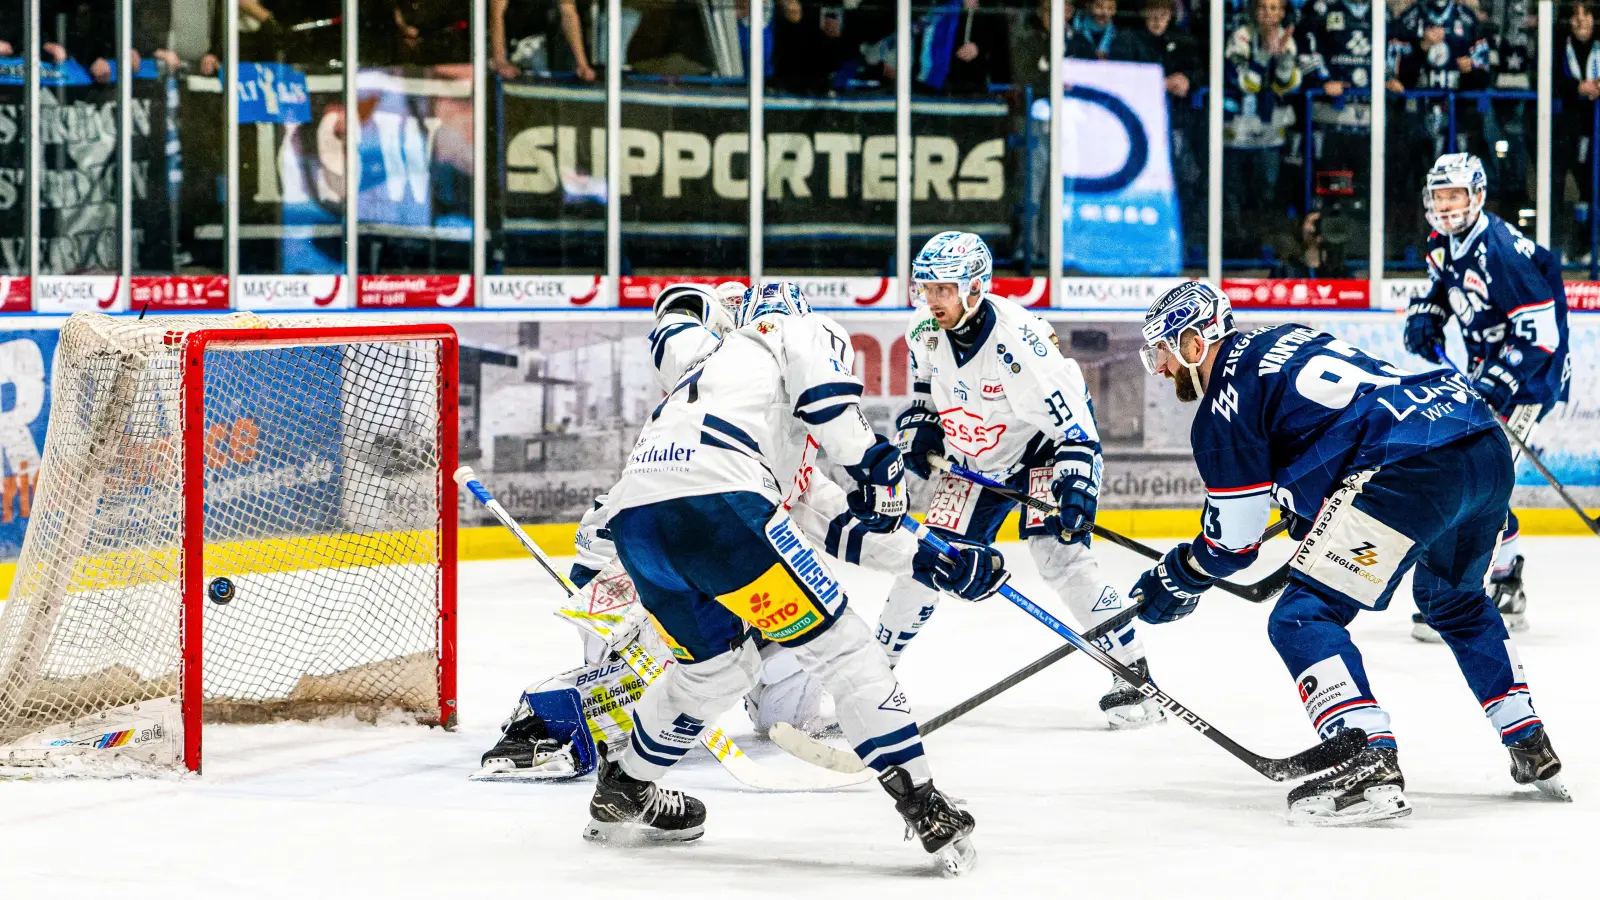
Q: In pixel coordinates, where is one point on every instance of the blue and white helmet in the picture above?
(954, 257)
(696, 300)
(1192, 306)
(779, 298)
(1455, 170)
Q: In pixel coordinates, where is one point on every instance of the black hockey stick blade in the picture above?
(1028, 671)
(1325, 755)
(1260, 592)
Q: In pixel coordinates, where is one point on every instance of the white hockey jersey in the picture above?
(1009, 392)
(730, 423)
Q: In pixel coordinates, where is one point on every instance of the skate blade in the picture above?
(506, 772)
(634, 834)
(958, 857)
(1137, 715)
(1554, 788)
(1377, 804)
(1424, 632)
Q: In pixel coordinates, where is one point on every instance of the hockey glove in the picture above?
(1172, 589)
(1497, 385)
(1425, 331)
(581, 575)
(976, 572)
(879, 500)
(1299, 526)
(919, 432)
(1076, 489)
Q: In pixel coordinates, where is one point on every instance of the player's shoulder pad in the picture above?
(1021, 334)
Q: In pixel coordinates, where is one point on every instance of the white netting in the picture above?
(322, 507)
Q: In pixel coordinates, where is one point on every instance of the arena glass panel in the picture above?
(546, 110)
(179, 151)
(291, 126)
(829, 122)
(16, 162)
(414, 91)
(80, 113)
(685, 137)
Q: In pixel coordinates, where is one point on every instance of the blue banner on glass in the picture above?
(273, 92)
(1121, 209)
(26, 358)
(14, 70)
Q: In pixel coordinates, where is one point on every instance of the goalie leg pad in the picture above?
(874, 712)
(562, 713)
(786, 692)
(668, 719)
(1073, 572)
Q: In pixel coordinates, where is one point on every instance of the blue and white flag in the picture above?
(1121, 209)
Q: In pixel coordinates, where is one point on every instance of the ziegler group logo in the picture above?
(1366, 554)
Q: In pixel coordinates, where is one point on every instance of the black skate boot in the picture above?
(1534, 761)
(526, 752)
(1125, 707)
(1368, 787)
(942, 827)
(625, 810)
(1422, 631)
(1506, 591)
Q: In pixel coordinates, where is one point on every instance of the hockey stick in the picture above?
(1533, 457)
(1260, 592)
(803, 746)
(740, 766)
(1324, 755)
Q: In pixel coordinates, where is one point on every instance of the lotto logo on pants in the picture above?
(775, 604)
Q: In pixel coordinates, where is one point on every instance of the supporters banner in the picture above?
(830, 168)
(26, 361)
(1121, 210)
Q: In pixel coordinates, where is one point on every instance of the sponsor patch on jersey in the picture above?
(953, 501)
(897, 701)
(1436, 256)
(1039, 489)
(806, 564)
(775, 604)
(678, 650)
(766, 326)
(1473, 282)
(932, 342)
(1325, 685)
(1016, 369)
(1518, 676)
(1352, 552)
(967, 432)
(991, 389)
(1109, 599)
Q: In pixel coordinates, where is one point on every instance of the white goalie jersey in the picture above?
(1012, 391)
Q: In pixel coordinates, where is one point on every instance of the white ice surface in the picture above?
(1064, 807)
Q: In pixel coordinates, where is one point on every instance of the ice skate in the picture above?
(1422, 631)
(1369, 787)
(1506, 591)
(626, 811)
(942, 827)
(525, 752)
(1125, 707)
(1534, 761)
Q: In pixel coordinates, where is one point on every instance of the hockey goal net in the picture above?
(235, 520)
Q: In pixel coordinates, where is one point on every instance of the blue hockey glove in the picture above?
(1076, 490)
(976, 572)
(919, 432)
(1171, 590)
(581, 575)
(1299, 526)
(1425, 331)
(879, 499)
(1497, 385)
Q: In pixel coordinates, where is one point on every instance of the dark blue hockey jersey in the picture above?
(1290, 411)
(1337, 41)
(1435, 68)
(1507, 295)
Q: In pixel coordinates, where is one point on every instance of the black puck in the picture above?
(220, 590)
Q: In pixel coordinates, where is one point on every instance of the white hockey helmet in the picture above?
(1192, 306)
(954, 257)
(777, 298)
(697, 301)
(1455, 170)
(731, 295)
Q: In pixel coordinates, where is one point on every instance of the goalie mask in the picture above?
(1193, 306)
(782, 298)
(954, 257)
(1455, 170)
(697, 301)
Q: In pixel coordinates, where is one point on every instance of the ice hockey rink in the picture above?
(1064, 806)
